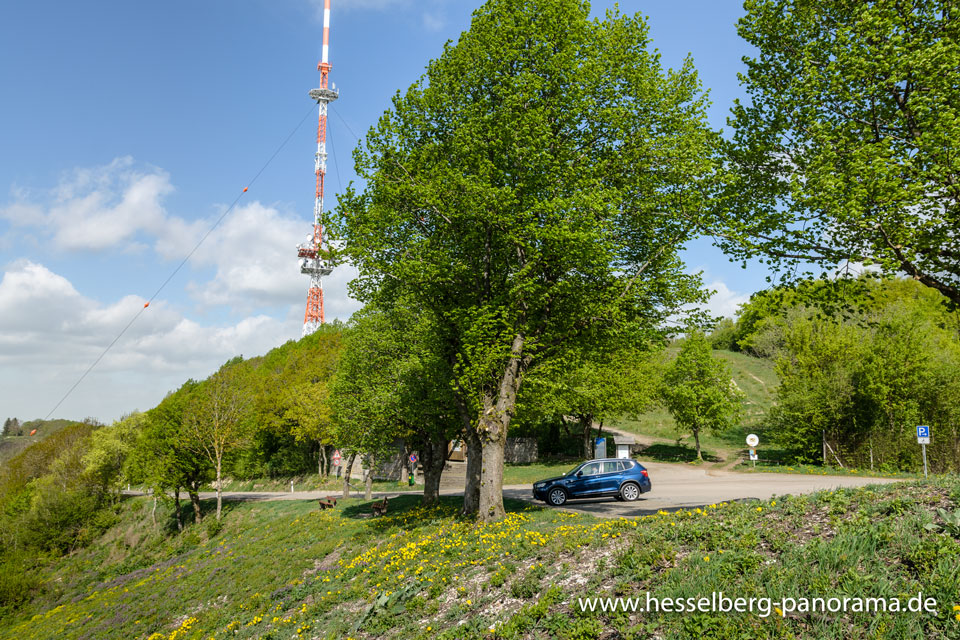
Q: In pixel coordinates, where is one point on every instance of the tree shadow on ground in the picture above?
(208, 512)
(401, 505)
(675, 453)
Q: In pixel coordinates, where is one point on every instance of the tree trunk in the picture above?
(696, 438)
(322, 467)
(474, 457)
(497, 411)
(433, 457)
(219, 487)
(471, 485)
(586, 428)
(176, 508)
(153, 512)
(491, 478)
(195, 501)
(553, 433)
(368, 480)
(346, 475)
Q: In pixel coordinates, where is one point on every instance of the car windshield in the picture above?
(574, 470)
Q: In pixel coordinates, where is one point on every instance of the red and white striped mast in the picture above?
(311, 262)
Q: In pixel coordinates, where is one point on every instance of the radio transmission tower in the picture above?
(311, 261)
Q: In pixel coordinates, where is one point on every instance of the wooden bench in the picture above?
(327, 503)
(379, 508)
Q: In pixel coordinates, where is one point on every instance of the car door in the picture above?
(609, 480)
(586, 481)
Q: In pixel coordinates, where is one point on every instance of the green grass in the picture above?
(810, 469)
(530, 473)
(286, 570)
(756, 378)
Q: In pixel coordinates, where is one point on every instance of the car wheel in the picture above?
(557, 497)
(630, 491)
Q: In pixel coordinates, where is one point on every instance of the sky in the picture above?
(128, 128)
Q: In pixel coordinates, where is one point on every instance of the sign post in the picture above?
(752, 441)
(413, 469)
(600, 450)
(923, 439)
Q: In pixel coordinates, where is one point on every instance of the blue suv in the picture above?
(622, 479)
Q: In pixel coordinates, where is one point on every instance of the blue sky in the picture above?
(126, 128)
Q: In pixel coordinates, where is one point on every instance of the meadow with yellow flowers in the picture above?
(285, 569)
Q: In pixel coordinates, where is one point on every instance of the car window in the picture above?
(591, 469)
(627, 465)
(612, 466)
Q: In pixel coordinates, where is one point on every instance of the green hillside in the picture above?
(12, 445)
(754, 376)
(288, 570)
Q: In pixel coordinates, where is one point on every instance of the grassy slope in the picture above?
(12, 445)
(285, 570)
(754, 376)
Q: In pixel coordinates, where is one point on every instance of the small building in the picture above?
(517, 451)
(624, 445)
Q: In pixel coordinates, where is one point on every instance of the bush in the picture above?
(214, 527)
(18, 582)
(724, 335)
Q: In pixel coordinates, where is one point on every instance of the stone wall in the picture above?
(521, 450)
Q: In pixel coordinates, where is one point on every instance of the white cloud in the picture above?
(50, 334)
(254, 253)
(724, 302)
(433, 21)
(95, 209)
(119, 208)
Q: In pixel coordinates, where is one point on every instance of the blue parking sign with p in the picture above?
(923, 431)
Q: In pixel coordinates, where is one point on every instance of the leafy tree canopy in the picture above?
(699, 390)
(848, 149)
(532, 190)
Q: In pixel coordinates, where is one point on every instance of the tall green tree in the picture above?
(164, 457)
(217, 421)
(531, 191)
(591, 388)
(817, 364)
(699, 390)
(292, 392)
(847, 149)
(110, 448)
(391, 385)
